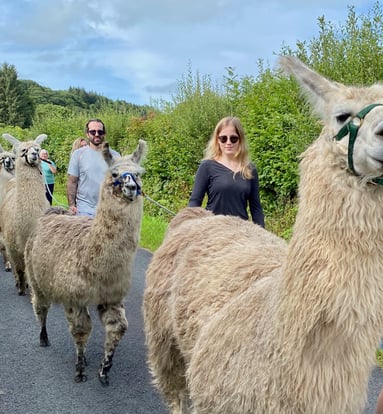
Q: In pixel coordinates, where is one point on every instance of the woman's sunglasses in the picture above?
(94, 132)
(233, 138)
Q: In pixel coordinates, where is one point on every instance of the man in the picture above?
(86, 171)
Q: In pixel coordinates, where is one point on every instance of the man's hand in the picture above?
(73, 209)
(71, 191)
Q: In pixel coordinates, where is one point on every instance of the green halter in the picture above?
(352, 128)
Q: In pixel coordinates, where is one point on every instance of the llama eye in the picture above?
(342, 118)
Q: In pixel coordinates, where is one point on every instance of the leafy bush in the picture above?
(279, 127)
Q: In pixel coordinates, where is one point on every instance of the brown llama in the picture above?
(79, 261)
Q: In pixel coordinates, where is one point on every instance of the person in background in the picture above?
(49, 169)
(227, 176)
(86, 171)
(78, 143)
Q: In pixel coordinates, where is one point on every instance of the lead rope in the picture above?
(49, 191)
(158, 204)
(352, 128)
(140, 192)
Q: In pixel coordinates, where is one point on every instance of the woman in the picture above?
(49, 170)
(227, 175)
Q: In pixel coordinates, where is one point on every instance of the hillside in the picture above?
(77, 98)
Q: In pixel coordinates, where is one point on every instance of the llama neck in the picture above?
(30, 189)
(329, 308)
(115, 230)
(335, 261)
(4, 178)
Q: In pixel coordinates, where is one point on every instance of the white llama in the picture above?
(239, 322)
(78, 261)
(23, 203)
(7, 171)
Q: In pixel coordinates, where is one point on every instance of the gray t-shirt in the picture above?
(90, 168)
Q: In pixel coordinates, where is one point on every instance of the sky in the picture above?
(139, 50)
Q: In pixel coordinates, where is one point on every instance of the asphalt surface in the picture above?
(35, 380)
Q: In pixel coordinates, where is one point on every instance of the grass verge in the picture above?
(379, 357)
(152, 232)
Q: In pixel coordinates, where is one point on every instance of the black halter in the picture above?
(120, 180)
(352, 128)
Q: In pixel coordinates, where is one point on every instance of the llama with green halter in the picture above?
(238, 321)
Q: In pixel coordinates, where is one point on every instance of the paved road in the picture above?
(34, 380)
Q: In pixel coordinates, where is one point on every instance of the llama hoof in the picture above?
(104, 379)
(21, 292)
(80, 378)
(8, 269)
(44, 341)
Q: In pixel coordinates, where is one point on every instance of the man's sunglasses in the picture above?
(233, 138)
(94, 132)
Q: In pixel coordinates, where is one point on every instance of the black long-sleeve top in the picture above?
(227, 193)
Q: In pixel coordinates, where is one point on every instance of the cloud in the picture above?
(138, 50)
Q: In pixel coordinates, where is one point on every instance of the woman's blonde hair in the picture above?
(213, 150)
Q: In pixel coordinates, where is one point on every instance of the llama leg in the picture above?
(115, 323)
(20, 279)
(164, 358)
(41, 308)
(7, 263)
(80, 327)
(7, 266)
(168, 370)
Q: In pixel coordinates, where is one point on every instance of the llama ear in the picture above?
(14, 141)
(140, 153)
(1, 149)
(40, 138)
(108, 157)
(313, 85)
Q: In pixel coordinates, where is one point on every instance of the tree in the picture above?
(349, 53)
(16, 105)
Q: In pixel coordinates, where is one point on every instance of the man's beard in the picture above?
(100, 141)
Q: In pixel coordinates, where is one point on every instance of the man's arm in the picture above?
(71, 191)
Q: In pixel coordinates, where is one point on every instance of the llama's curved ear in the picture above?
(40, 138)
(315, 87)
(14, 141)
(140, 153)
(108, 157)
(1, 149)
